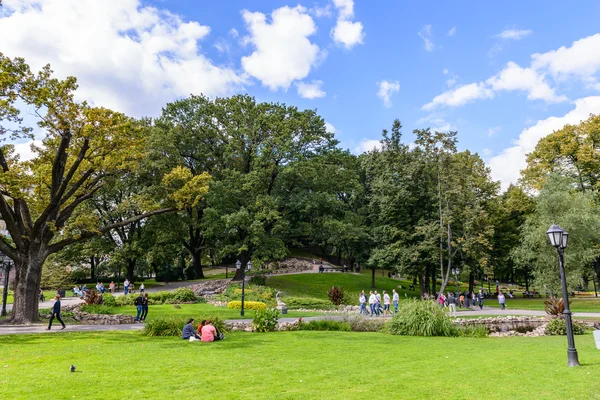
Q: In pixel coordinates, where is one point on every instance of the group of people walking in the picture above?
(374, 301)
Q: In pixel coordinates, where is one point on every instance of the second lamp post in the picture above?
(456, 272)
(558, 238)
(238, 265)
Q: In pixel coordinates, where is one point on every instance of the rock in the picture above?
(210, 287)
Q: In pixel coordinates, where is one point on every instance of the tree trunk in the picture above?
(526, 280)
(471, 281)
(27, 287)
(433, 281)
(421, 285)
(373, 278)
(130, 269)
(426, 283)
(197, 264)
(93, 268)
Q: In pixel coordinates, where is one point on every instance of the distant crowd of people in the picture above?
(375, 303)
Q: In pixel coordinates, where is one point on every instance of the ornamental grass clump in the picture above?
(336, 295)
(421, 318)
(265, 320)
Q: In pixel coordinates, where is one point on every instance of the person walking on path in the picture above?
(386, 303)
(442, 300)
(144, 307)
(372, 301)
(377, 303)
(126, 286)
(112, 287)
(473, 299)
(395, 299)
(138, 304)
(362, 300)
(56, 313)
(452, 304)
(502, 300)
(142, 288)
(480, 298)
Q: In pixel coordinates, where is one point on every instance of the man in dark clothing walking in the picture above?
(139, 305)
(56, 313)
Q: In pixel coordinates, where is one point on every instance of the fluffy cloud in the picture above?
(311, 90)
(492, 131)
(514, 34)
(513, 77)
(283, 53)
(330, 128)
(426, 35)
(386, 89)
(507, 165)
(436, 123)
(368, 145)
(126, 56)
(346, 32)
(452, 31)
(460, 95)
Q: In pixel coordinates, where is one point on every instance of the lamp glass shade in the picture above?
(249, 265)
(238, 264)
(555, 234)
(565, 239)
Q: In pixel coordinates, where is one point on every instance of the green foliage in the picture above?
(421, 318)
(109, 300)
(97, 309)
(252, 293)
(265, 320)
(182, 295)
(325, 325)
(307, 302)
(336, 295)
(259, 280)
(248, 305)
(358, 323)
(475, 331)
(558, 326)
(178, 296)
(173, 325)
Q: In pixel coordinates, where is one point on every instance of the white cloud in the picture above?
(460, 96)
(514, 34)
(507, 165)
(346, 32)
(486, 152)
(24, 149)
(581, 60)
(234, 33)
(126, 56)
(492, 131)
(426, 35)
(320, 12)
(368, 145)
(513, 77)
(222, 46)
(436, 123)
(311, 90)
(283, 51)
(386, 89)
(445, 71)
(330, 128)
(452, 31)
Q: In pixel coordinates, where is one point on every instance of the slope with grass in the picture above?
(295, 365)
(317, 285)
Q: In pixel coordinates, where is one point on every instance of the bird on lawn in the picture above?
(72, 369)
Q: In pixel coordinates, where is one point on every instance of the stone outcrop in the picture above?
(291, 265)
(509, 325)
(209, 287)
(96, 319)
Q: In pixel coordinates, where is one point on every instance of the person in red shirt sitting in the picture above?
(210, 333)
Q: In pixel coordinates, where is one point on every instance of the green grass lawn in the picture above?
(317, 285)
(200, 311)
(295, 365)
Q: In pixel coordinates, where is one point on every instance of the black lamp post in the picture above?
(238, 265)
(6, 266)
(456, 272)
(558, 238)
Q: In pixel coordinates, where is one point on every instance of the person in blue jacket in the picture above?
(56, 313)
(188, 331)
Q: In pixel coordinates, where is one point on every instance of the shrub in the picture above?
(361, 324)
(476, 331)
(259, 280)
(93, 297)
(164, 326)
(558, 326)
(183, 295)
(252, 293)
(125, 300)
(336, 295)
(97, 309)
(265, 320)
(307, 302)
(421, 318)
(109, 300)
(325, 325)
(248, 305)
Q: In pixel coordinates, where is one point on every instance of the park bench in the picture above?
(532, 294)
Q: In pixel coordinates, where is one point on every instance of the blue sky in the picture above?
(469, 66)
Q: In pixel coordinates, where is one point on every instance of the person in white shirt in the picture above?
(395, 299)
(386, 303)
(372, 301)
(142, 288)
(126, 286)
(362, 299)
(377, 303)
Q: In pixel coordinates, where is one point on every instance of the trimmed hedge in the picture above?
(558, 326)
(248, 305)
(325, 325)
(307, 302)
(178, 296)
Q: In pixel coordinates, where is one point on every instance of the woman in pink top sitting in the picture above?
(210, 333)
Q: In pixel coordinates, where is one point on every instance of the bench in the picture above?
(532, 294)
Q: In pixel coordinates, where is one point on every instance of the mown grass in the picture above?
(316, 285)
(295, 365)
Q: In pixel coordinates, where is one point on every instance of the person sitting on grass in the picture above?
(188, 331)
(210, 333)
(202, 324)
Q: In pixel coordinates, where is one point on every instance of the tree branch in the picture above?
(53, 248)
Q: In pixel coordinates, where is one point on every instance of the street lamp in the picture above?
(6, 266)
(238, 266)
(559, 238)
(456, 272)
